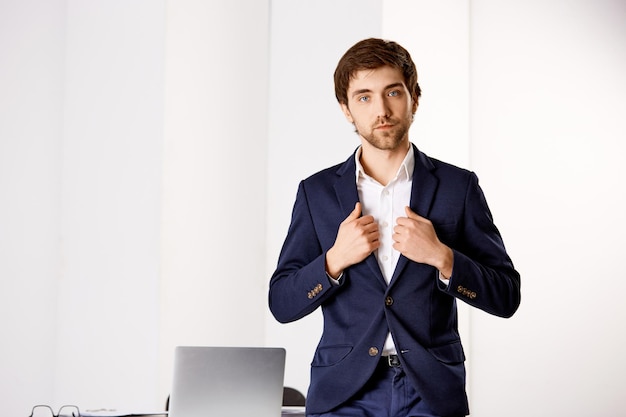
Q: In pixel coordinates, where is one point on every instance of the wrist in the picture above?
(332, 269)
(446, 263)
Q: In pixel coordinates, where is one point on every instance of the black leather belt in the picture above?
(392, 361)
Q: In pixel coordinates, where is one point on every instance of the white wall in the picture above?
(213, 290)
(547, 133)
(31, 101)
(110, 181)
(133, 179)
(120, 121)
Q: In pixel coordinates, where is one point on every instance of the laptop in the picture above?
(216, 381)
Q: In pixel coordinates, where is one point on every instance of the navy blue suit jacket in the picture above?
(416, 307)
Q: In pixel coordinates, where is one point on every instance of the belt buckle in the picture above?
(393, 361)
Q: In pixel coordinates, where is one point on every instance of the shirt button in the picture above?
(388, 301)
(384, 224)
(373, 351)
(385, 258)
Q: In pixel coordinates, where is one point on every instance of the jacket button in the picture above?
(388, 301)
(373, 351)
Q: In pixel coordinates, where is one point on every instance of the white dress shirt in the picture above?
(386, 203)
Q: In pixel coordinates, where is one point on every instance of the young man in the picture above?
(384, 243)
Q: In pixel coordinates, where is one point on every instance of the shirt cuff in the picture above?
(335, 281)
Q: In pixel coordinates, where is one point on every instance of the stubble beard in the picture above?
(387, 140)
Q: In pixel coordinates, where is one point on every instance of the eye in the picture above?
(363, 99)
(394, 93)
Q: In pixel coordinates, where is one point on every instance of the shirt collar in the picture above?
(406, 168)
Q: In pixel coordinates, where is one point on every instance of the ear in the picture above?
(415, 104)
(346, 112)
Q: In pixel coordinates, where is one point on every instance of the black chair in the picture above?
(293, 397)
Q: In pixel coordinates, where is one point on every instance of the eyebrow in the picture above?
(367, 90)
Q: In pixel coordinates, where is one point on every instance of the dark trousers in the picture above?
(389, 393)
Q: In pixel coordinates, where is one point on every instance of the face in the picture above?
(381, 108)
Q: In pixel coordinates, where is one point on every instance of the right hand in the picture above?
(356, 239)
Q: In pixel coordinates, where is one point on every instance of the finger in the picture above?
(368, 220)
(401, 221)
(370, 228)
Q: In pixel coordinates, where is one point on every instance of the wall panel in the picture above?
(547, 133)
(214, 177)
(32, 35)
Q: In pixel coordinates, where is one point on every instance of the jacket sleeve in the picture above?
(299, 284)
(483, 274)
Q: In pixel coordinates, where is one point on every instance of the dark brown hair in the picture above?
(374, 53)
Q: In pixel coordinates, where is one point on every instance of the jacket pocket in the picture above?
(451, 353)
(330, 355)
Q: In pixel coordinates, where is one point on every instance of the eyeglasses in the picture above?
(46, 411)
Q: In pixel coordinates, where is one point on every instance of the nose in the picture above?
(382, 108)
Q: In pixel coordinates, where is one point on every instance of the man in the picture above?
(384, 243)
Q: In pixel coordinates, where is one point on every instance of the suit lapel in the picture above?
(423, 191)
(348, 195)
(345, 187)
(424, 185)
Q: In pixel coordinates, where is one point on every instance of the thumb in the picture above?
(356, 212)
(410, 213)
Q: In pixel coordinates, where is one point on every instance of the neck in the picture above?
(382, 165)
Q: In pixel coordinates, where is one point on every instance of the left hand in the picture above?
(415, 237)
